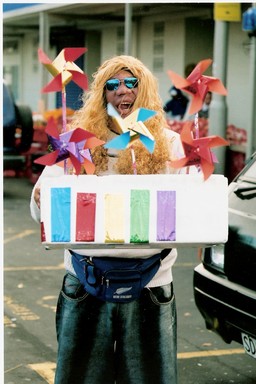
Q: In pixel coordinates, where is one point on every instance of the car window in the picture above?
(9, 117)
(242, 195)
(251, 173)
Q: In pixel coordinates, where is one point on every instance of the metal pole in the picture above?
(44, 32)
(251, 131)
(128, 29)
(218, 109)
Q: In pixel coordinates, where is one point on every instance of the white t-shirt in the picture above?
(164, 274)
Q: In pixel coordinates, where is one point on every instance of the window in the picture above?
(11, 64)
(10, 47)
(158, 46)
(120, 41)
(11, 75)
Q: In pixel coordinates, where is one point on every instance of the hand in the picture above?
(37, 196)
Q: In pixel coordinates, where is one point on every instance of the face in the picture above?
(208, 98)
(125, 95)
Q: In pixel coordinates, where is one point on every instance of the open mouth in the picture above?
(124, 108)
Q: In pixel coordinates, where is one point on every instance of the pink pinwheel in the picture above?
(74, 144)
(197, 151)
(197, 85)
(64, 69)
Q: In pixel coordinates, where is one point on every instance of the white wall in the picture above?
(108, 43)
(174, 58)
(29, 92)
(143, 45)
(30, 73)
(238, 79)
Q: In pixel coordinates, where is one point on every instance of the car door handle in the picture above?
(246, 193)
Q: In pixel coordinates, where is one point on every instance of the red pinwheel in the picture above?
(64, 69)
(197, 151)
(74, 144)
(197, 85)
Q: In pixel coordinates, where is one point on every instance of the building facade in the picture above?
(163, 35)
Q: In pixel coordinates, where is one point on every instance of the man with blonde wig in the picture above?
(101, 342)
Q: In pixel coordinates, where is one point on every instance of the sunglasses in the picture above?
(114, 84)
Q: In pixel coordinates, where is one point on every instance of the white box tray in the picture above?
(197, 211)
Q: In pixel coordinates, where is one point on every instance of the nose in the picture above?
(122, 89)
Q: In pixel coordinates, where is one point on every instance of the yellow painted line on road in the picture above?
(13, 368)
(35, 268)
(18, 309)
(8, 322)
(193, 265)
(45, 302)
(20, 235)
(45, 370)
(217, 352)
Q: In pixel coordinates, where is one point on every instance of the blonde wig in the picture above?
(93, 117)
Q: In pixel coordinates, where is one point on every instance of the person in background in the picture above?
(204, 112)
(175, 108)
(101, 341)
(189, 68)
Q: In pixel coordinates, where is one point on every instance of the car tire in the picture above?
(25, 122)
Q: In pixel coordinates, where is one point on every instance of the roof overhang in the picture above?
(98, 15)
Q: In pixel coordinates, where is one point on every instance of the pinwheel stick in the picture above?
(197, 135)
(64, 121)
(64, 110)
(133, 161)
(196, 126)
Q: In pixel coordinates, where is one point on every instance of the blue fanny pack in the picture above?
(116, 279)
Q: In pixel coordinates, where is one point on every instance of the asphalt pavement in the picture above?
(32, 280)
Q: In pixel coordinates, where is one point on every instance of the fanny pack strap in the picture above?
(163, 253)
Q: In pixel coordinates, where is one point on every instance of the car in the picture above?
(17, 131)
(224, 283)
